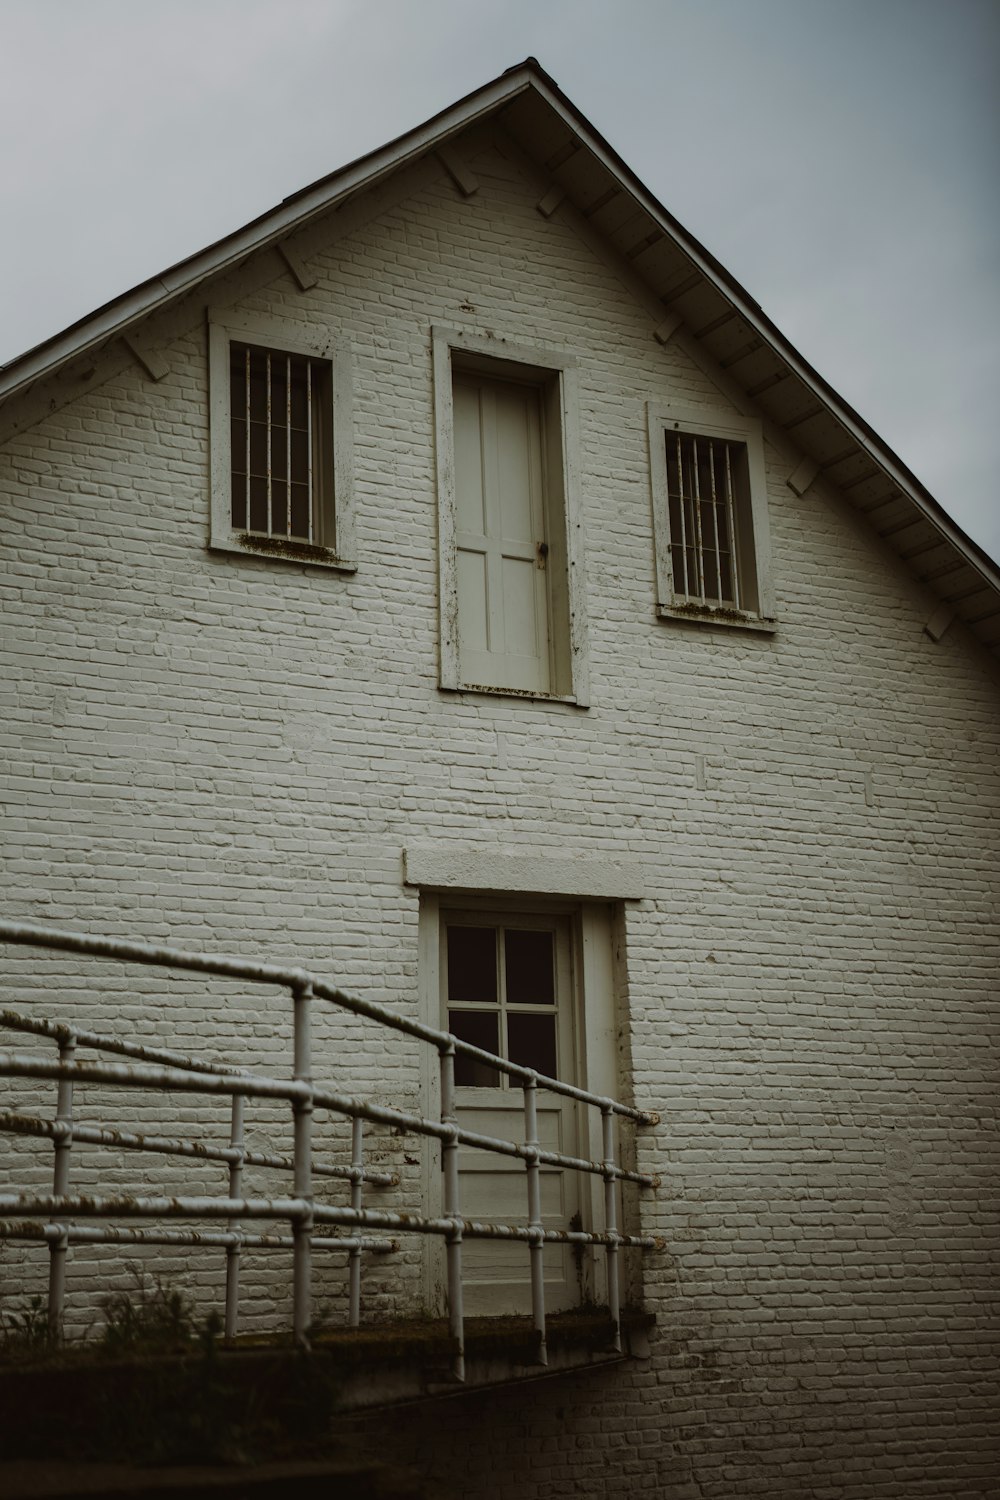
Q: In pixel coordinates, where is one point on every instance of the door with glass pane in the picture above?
(507, 987)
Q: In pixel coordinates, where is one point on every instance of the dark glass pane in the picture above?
(300, 456)
(480, 1028)
(710, 572)
(237, 381)
(300, 511)
(300, 400)
(239, 465)
(258, 505)
(279, 520)
(279, 364)
(531, 1041)
(722, 518)
(704, 466)
(530, 977)
(238, 438)
(258, 449)
(472, 965)
(258, 385)
(279, 452)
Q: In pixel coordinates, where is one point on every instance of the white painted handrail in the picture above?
(167, 1071)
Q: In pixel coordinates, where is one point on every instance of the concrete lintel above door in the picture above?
(448, 865)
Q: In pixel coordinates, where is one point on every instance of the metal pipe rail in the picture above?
(17, 1065)
(162, 1069)
(35, 1229)
(95, 1135)
(191, 1207)
(29, 935)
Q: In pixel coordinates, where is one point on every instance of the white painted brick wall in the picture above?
(231, 753)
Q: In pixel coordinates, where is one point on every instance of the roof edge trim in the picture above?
(114, 318)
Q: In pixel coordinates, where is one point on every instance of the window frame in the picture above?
(336, 549)
(553, 371)
(730, 426)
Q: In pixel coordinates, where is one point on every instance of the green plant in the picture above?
(152, 1317)
(27, 1334)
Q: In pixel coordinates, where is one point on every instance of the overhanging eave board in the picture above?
(553, 132)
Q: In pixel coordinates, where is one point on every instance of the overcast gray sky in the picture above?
(840, 157)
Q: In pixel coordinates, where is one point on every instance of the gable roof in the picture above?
(701, 303)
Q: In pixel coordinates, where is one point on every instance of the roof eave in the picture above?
(751, 311)
(115, 318)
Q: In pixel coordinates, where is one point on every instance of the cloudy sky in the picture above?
(840, 157)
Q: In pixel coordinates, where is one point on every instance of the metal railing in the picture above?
(164, 1070)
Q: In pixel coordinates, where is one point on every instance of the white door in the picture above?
(507, 987)
(501, 548)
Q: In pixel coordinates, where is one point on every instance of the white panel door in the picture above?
(507, 988)
(503, 616)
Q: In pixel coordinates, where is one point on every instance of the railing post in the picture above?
(302, 1112)
(449, 1167)
(611, 1221)
(58, 1249)
(357, 1190)
(235, 1191)
(537, 1248)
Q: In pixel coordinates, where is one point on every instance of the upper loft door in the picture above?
(507, 987)
(501, 542)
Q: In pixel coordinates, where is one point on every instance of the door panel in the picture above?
(503, 610)
(511, 979)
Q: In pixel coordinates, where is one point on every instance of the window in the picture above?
(511, 547)
(281, 442)
(710, 517)
(502, 995)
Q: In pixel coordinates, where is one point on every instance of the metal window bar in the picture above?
(304, 1095)
(267, 415)
(288, 445)
(699, 550)
(262, 365)
(695, 493)
(716, 544)
(309, 452)
(731, 523)
(246, 366)
(681, 510)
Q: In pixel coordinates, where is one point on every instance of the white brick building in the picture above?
(595, 630)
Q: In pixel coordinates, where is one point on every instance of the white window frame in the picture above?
(709, 422)
(336, 547)
(554, 371)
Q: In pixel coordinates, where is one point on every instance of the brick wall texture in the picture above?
(231, 753)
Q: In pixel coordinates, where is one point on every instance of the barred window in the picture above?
(281, 465)
(280, 443)
(707, 500)
(710, 517)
